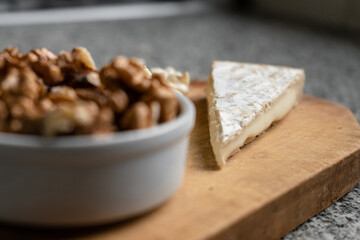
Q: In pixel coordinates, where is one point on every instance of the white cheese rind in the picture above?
(244, 99)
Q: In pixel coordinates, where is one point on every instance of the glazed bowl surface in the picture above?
(89, 180)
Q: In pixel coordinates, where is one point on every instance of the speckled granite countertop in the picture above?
(190, 43)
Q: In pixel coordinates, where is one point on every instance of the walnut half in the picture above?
(138, 116)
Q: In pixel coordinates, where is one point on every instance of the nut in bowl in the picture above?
(129, 158)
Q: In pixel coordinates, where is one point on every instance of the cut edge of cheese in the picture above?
(278, 108)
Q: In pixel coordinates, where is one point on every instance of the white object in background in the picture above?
(102, 13)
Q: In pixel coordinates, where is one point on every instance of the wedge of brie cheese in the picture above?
(245, 99)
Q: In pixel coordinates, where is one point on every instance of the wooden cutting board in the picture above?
(297, 168)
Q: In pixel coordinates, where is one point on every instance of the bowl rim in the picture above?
(184, 120)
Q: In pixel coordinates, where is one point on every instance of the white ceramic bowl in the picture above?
(79, 181)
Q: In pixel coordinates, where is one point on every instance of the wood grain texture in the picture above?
(300, 166)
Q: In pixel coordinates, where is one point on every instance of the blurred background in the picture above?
(321, 36)
(334, 13)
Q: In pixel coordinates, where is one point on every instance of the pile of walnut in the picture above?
(46, 94)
